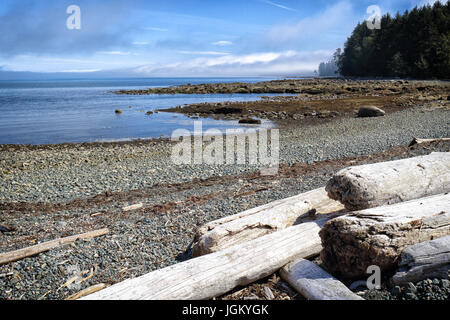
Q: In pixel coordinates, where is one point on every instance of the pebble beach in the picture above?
(51, 191)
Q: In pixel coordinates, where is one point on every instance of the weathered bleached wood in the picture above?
(430, 259)
(378, 184)
(217, 273)
(133, 207)
(314, 283)
(45, 246)
(256, 222)
(420, 141)
(250, 227)
(377, 236)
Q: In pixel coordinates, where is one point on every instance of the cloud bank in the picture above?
(255, 64)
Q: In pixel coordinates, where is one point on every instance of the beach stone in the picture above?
(396, 291)
(370, 111)
(4, 229)
(250, 121)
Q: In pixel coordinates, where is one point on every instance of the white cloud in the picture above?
(279, 5)
(337, 17)
(140, 43)
(222, 43)
(262, 63)
(430, 2)
(204, 53)
(115, 53)
(156, 29)
(82, 70)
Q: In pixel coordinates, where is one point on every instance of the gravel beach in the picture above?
(53, 191)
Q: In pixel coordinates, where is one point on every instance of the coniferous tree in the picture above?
(415, 44)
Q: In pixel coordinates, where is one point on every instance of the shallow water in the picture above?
(47, 112)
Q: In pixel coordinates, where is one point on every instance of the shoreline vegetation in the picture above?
(413, 44)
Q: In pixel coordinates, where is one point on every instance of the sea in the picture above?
(69, 111)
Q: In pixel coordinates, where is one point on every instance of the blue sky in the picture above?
(180, 37)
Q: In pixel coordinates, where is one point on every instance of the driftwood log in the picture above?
(48, 245)
(217, 273)
(314, 283)
(430, 259)
(251, 224)
(377, 236)
(132, 207)
(377, 184)
(420, 141)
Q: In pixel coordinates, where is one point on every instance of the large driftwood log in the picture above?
(217, 273)
(251, 224)
(430, 259)
(377, 236)
(48, 245)
(377, 184)
(314, 283)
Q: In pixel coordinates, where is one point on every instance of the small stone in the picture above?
(411, 296)
(118, 111)
(4, 229)
(410, 288)
(396, 291)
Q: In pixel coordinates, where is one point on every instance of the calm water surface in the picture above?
(47, 112)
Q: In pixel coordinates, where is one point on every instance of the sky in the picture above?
(145, 38)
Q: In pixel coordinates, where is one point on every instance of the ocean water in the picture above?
(58, 111)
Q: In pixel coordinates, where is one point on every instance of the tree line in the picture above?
(415, 44)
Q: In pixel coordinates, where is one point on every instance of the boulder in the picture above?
(370, 111)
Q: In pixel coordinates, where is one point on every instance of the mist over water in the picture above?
(58, 111)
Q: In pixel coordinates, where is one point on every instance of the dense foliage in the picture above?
(328, 69)
(415, 44)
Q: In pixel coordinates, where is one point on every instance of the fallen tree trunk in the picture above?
(377, 236)
(45, 246)
(314, 283)
(420, 141)
(217, 273)
(251, 224)
(426, 260)
(377, 184)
